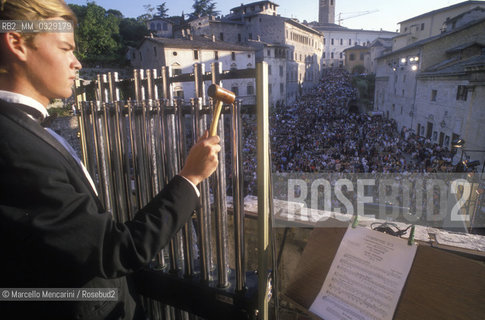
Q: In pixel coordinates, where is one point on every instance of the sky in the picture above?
(386, 13)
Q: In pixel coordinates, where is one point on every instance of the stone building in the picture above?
(357, 59)
(436, 86)
(432, 23)
(181, 54)
(160, 27)
(326, 11)
(337, 38)
(378, 47)
(294, 48)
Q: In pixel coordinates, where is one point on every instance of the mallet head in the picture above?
(218, 93)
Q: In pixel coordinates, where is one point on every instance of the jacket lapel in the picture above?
(22, 119)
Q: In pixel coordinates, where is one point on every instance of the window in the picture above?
(361, 56)
(165, 26)
(221, 36)
(174, 53)
(282, 88)
(141, 58)
(233, 56)
(331, 55)
(250, 89)
(461, 93)
(216, 55)
(323, 55)
(250, 36)
(331, 2)
(269, 69)
(196, 55)
(281, 71)
(341, 42)
(352, 57)
(269, 53)
(238, 37)
(155, 51)
(176, 71)
(341, 55)
(331, 42)
(324, 41)
(270, 87)
(434, 93)
(235, 89)
(159, 26)
(422, 26)
(350, 42)
(152, 26)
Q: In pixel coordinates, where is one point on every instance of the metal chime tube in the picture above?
(221, 212)
(237, 193)
(219, 188)
(172, 170)
(97, 139)
(113, 123)
(166, 125)
(187, 229)
(85, 128)
(203, 212)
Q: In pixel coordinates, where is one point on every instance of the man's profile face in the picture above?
(51, 64)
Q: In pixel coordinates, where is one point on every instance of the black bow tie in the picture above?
(37, 115)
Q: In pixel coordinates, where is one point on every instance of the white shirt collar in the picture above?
(13, 97)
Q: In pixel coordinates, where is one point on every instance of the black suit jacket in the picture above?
(54, 233)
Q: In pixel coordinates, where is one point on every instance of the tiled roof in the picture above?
(465, 3)
(458, 68)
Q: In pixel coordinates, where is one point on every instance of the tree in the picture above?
(162, 10)
(148, 15)
(132, 31)
(98, 31)
(203, 8)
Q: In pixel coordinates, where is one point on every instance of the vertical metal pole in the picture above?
(187, 229)
(203, 212)
(219, 184)
(101, 187)
(237, 194)
(263, 172)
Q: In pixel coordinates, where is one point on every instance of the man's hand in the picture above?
(202, 160)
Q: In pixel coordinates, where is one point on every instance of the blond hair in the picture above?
(34, 10)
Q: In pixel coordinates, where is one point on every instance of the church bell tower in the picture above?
(326, 12)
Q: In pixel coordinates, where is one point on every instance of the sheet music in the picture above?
(366, 277)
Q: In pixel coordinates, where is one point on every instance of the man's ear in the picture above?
(15, 45)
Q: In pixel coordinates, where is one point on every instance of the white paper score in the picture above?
(366, 277)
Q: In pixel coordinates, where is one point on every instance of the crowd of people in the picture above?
(319, 134)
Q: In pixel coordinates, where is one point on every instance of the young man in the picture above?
(53, 231)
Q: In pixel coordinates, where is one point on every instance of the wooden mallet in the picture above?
(220, 96)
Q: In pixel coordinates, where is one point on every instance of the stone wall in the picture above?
(68, 128)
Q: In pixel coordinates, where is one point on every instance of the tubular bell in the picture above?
(135, 135)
